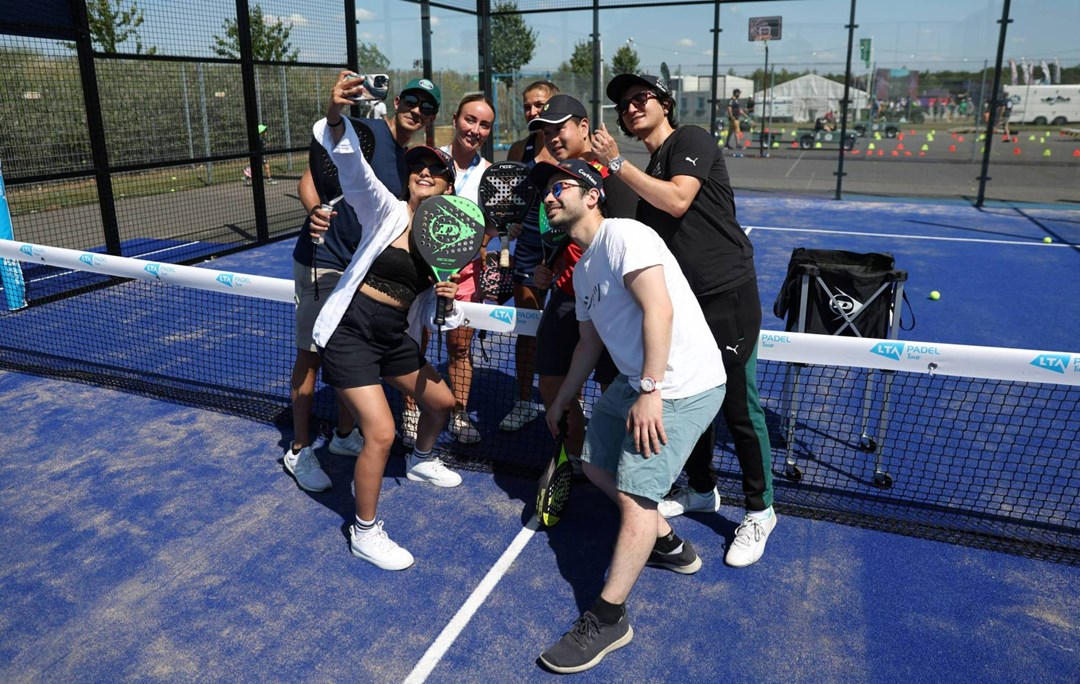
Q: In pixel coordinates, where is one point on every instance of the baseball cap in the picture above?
(618, 85)
(582, 170)
(423, 85)
(425, 151)
(558, 109)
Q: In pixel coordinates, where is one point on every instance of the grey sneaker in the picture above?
(463, 429)
(307, 471)
(586, 644)
(749, 543)
(683, 560)
(686, 500)
(347, 446)
(523, 413)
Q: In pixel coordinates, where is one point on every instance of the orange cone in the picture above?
(960, 138)
(900, 146)
(921, 153)
(1076, 152)
(952, 148)
(881, 153)
(907, 153)
(900, 137)
(895, 153)
(1016, 151)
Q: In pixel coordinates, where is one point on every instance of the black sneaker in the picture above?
(683, 560)
(586, 644)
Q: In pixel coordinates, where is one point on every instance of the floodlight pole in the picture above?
(598, 65)
(991, 109)
(763, 148)
(425, 51)
(483, 30)
(851, 26)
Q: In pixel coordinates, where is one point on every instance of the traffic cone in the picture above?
(952, 148)
(895, 153)
(881, 153)
(921, 153)
(907, 153)
(853, 151)
(1016, 151)
(775, 145)
(1046, 152)
(1014, 139)
(877, 135)
(913, 131)
(960, 139)
(900, 146)
(1042, 141)
(924, 148)
(900, 137)
(794, 144)
(1032, 138)
(870, 147)
(1076, 152)
(817, 146)
(930, 138)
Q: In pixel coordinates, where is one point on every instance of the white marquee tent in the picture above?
(812, 95)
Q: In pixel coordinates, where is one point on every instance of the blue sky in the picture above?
(917, 34)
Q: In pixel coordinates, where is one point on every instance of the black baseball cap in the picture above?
(618, 85)
(425, 151)
(582, 170)
(557, 110)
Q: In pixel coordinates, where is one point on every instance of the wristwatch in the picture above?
(615, 164)
(648, 385)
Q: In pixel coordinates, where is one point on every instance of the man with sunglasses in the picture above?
(686, 198)
(317, 271)
(631, 297)
(564, 125)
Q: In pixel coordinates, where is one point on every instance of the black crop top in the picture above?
(399, 274)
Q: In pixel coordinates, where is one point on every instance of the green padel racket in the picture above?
(553, 490)
(447, 231)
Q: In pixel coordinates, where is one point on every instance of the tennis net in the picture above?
(965, 444)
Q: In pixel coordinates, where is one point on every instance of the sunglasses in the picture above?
(427, 108)
(435, 168)
(557, 189)
(638, 101)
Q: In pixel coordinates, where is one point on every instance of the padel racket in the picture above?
(553, 489)
(506, 195)
(366, 138)
(552, 240)
(447, 231)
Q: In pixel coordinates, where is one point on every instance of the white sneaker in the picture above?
(306, 469)
(750, 538)
(463, 429)
(686, 500)
(523, 413)
(410, 419)
(376, 547)
(347, 446)
(430, 470)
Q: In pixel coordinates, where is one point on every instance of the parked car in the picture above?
(808, 139)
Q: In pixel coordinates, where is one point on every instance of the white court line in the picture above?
(450, 633)
(1026, 243)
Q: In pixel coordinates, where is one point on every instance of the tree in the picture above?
(370, 58)
(111, 25)
(625, 61)
(512, 41)
(581, 61)
(269, 39)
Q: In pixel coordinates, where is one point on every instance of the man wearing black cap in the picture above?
(630, 296)
(734, 117)
(687, 199)
(565, 127)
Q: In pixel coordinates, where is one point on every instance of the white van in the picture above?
(1041, 105)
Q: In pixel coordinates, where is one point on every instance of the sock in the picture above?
(364, 525)
(422, 455)
(760, 515)
(342, 435)
(296, 450)
(669, 543)
(607, 613)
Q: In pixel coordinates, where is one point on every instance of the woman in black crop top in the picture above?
(363, 329)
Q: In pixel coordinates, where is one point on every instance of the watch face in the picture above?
(648, 384)
(615, 164)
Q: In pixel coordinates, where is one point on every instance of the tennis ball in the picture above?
(1047, 239)
(174, 177)
(935, 295)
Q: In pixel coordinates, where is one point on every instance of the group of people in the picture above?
(655, 297)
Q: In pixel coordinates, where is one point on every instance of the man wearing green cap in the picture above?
(266, 163)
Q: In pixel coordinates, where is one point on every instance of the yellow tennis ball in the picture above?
(1047, 239)
(935, 295)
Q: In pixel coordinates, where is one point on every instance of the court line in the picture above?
(910, 237)
(453, 628)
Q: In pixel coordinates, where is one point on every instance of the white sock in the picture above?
(364, 526)
(760, 516)
(422, 455)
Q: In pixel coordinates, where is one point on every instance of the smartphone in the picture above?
(376, 87)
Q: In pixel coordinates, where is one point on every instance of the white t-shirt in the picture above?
(623, 246)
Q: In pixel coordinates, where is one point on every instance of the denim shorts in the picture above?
(609, 446)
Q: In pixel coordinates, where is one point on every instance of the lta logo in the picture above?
(890, 350)
(1052, 362)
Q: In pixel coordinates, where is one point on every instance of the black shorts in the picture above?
(370, 343)
(528, 252)
(557, 336)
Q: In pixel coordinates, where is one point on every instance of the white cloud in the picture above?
(364, 15)
(436, 21)
(685, 43)
(289, 21)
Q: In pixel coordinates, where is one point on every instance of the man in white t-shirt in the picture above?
(632, 297)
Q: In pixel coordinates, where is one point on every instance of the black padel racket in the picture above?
(448, 231)
(506, 195)
(553, 489)
(366, 137)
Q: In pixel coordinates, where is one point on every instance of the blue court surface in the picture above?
(150, 541)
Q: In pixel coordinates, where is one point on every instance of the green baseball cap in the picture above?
(424, 86)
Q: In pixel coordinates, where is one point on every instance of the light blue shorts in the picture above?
(609, 446)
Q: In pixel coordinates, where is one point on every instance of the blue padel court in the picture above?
(145, 539)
